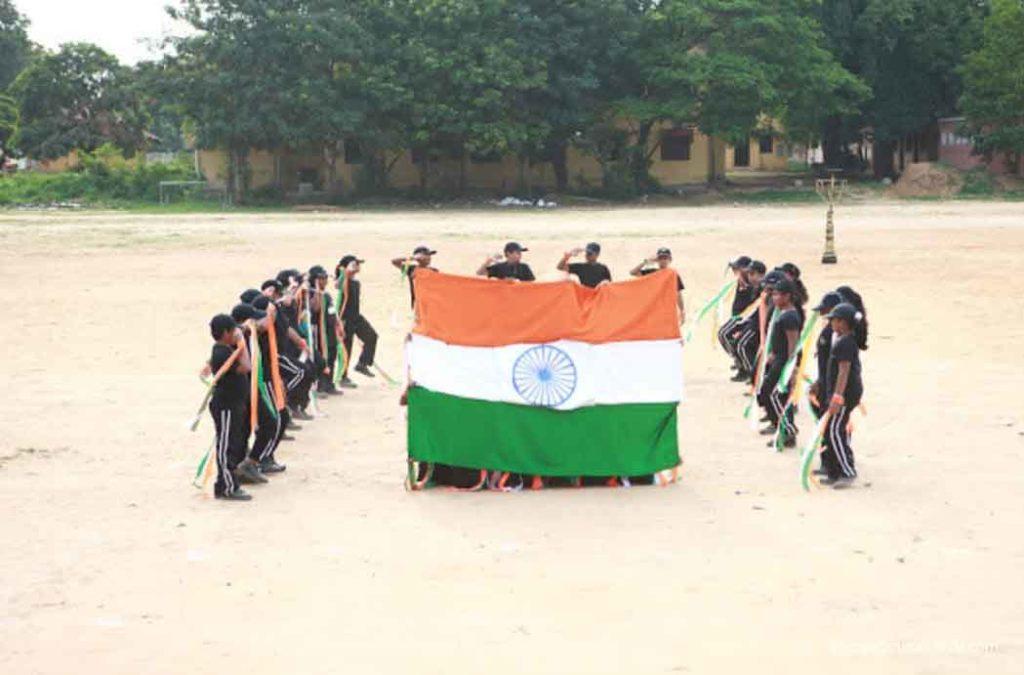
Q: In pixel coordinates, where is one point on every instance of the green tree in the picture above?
(909, 53)
(77, 99)
(265, 74)
(728, 66)
(15, 47)
(993, 98)
(8, 126)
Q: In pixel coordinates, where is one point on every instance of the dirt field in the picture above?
(113, 563)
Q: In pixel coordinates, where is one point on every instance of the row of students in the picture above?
(298, 328)
(763, 335)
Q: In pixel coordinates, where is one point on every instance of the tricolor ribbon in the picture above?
(811, 449)
(713, 303)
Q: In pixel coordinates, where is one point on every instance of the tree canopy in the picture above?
(78, 98)
(994, 82)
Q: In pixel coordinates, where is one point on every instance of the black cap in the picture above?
(348, 260)
(828, 302)
(221, 323)
(791, 269)
(741, 263)
(423, 249)
(772, 278)
(272, 283)
(664, 252)
(593, 248)
(514, 247)
(244, 312)
(845, 310)
(249, 295)
(784, 285)
(261, 303)
(317, 272)
(757, 266)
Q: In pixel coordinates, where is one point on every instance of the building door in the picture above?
(741, 155)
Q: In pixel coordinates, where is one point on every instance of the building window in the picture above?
(767, 144)
(353, 152)
(676, 144)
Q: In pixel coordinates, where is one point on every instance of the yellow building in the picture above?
(681, 156)
(761, 153)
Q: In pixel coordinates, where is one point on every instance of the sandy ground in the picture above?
(113, 563)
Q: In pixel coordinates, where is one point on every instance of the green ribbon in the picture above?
(807, 457)
(708, 306)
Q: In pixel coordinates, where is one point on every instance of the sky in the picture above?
(118, 26)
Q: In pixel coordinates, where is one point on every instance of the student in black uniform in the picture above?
(744, 295)
(663, 261)
(844, 389)
(748, 345)
(422, 256)
(355, 324)
(509, 267)
(322, 329)
(823, 350)
(784, 340)
(228, 405)
(291, 348)
(263, 453)
(590, 273)
(792, 273)
(248, 470)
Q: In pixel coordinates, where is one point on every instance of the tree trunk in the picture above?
(638, 158)
(832, 142)
(883, 155)
(560, 162)
(463, 170)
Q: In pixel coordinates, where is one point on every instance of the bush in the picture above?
(103, 176)
(978, 183)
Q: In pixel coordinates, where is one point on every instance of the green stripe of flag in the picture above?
(612, 440)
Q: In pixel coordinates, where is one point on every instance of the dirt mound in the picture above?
(927, 180)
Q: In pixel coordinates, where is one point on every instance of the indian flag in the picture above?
(550, 379)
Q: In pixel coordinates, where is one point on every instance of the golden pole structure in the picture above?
(831, 191)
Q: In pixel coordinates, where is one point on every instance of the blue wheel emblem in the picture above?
(544, 376)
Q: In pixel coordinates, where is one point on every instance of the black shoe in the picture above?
(300, 414)
(248, 473)
(271, 466)
(764, 419)
(292, 426)
(347, 383)
(842, 483)
(238, 495)
(769, 430)
(286, 437)
(789, 443)
(734, 367)
(828, 481)
(740, 377)
(364, 370)
(820, 472)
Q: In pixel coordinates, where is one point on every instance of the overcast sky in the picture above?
(119, 26)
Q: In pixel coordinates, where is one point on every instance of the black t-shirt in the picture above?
(232, 388)
(507, 270)
(281, 326)
(412, 287)
(788, 320)
(652, 270)
(845, 349)
(351, 303)
(744, 296)
(590, 274)
(823, 351)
